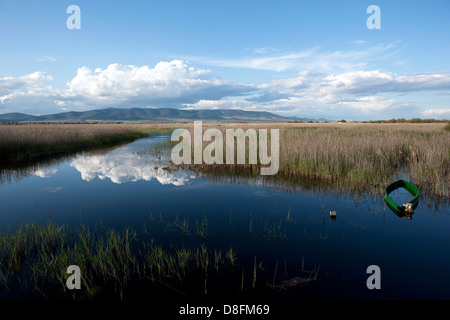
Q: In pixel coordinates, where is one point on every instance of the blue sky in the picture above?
(301, 58)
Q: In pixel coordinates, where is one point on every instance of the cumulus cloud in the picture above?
(28, 82)
(359, 90)
(319, 95)
(29, 92)
(179, 84)
(168, 83)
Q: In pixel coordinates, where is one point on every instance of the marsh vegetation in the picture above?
(246, 238)
(357, 157)
(23, 144)
(120, 263)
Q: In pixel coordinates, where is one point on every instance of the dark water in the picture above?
(289, 232)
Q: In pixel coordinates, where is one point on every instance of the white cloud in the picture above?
(303, 80)
(374, 103)
(355, 94)
(29, 81)
(363, 93)
(219, 104)
(168, 83)
(122, 166)
(372, 82)
(359, 90)
(19, 94)
(437, 113)
(46, 172)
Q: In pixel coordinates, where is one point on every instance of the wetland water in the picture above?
(299, 251)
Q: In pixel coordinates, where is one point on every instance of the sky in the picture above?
(313, 59)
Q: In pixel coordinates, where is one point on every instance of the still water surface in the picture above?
(290, 231)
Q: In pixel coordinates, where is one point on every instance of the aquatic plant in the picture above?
(34, 260)
(357, 157)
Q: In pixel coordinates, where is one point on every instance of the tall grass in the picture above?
(23, 143)
(357, 157)
(369, 156)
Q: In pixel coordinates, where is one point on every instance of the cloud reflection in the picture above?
(121, 166)
(46, 172)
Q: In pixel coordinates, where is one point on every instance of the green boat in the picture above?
(406, 210)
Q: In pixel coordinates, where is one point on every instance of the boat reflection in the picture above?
(406, 210)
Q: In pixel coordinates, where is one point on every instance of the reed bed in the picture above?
(356, 157)
(22, 143)
(369, 156)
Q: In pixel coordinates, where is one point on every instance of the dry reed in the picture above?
(22, 143)
(356, 156)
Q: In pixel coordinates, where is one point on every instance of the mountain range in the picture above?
(147, 115)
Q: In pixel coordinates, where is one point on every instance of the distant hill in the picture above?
(150, 116)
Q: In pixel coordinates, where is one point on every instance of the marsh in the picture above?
(192, 232)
